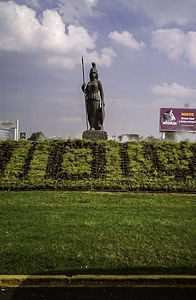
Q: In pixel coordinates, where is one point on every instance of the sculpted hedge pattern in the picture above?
(82, 164)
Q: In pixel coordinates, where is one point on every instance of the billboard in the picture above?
(23, 135)
(177, 119)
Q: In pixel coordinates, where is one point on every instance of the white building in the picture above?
(9, 130)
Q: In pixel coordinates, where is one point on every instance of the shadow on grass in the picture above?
(124, 271)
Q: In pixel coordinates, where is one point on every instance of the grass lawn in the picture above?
(59, 232)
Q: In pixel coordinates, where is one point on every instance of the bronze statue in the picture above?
(94, 98)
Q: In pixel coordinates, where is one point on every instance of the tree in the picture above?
(37, 136)
(151, 138)
(134, 137)
(130, 137)
(170, 136)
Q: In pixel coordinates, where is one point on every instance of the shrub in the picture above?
(81, 164)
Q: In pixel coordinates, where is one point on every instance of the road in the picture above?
(109, 293)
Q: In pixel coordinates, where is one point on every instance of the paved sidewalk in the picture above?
(97, 293)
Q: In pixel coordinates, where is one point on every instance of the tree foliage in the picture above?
(36, 136)
(130, 137)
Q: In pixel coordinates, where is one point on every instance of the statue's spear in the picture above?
(84, 93)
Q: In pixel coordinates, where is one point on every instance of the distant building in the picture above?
(9, 130)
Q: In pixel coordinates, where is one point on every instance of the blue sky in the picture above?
(145, 52)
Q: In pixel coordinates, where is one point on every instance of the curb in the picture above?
(98, 281)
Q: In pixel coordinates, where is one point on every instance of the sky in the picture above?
(145, 52)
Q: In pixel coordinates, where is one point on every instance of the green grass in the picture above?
(58, 232)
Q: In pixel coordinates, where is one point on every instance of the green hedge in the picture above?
(105, 165)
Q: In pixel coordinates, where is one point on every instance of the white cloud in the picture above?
(164, 12)
(18, 24)
(103, 58)
(126, 39)
(173, 90)
(48, 37)
(176, 44)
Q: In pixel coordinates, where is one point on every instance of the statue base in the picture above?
(95, 135)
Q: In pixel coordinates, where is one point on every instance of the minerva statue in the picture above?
(94, 100)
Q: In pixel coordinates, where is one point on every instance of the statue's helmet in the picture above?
(93, 69)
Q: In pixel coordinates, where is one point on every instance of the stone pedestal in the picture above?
(95, 135)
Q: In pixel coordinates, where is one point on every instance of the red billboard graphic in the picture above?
(177, 119)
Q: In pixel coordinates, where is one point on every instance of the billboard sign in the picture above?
(177, 119)
(22, 135)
